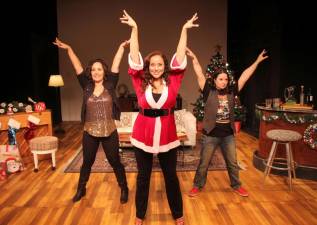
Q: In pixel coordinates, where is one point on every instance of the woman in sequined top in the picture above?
(99, 110)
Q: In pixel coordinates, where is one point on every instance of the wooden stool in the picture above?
(282, 137)
(43, 145)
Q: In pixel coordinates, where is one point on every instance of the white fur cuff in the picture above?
(134, 65)
(181, 66)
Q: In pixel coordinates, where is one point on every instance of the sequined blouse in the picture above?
(98, 118)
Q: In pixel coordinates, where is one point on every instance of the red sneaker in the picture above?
(193, 192)
(241, 191)
(138, 221)
(180, 221)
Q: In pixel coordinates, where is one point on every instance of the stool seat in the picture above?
(283, 135)
(43, 145)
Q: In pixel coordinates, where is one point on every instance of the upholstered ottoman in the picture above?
(44, 145)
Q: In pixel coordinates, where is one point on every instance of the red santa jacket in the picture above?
(156, 134)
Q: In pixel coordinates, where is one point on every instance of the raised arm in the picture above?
(72, 56)
(197, 68)
(118, 57)
(181, 47)
(247, 73)
(134, 41)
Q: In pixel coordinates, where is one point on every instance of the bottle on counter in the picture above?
(309, 97)
(301, 95)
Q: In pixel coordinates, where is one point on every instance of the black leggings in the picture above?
(110, 146)
(168, 165)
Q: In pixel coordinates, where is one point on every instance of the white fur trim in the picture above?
(134, 65)
(181, 66)
(155, 149)
(157, 132)
(34, 119)
(14, 123)
(150, 99)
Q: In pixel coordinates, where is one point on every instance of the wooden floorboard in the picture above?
(45, 197)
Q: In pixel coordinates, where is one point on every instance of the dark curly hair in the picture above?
(89, 67)
(230, 86)
(147, 77)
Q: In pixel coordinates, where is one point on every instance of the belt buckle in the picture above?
(154, 112)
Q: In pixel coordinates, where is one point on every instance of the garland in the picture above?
(287, 117)
(308, 136)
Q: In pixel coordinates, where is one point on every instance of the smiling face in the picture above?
(156, 67)
(221, 81)
(97, 72)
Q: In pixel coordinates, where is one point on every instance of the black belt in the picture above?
(156, 112)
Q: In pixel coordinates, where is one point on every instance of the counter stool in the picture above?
(285, 137)
(43, 145)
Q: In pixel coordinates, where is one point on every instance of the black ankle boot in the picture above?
(81, 192)
(124, 195)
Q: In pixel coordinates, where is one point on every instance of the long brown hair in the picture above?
(89, 67)
(148, 78)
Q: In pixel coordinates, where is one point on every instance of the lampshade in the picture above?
(56, 81)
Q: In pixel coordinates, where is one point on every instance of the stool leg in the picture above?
(270, 161)
(292, 160)
(53, 160)
(36, 162)
(289, 166)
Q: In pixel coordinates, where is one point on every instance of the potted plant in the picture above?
(198, 111)
(239, 116)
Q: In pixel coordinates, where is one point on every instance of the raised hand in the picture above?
(190, 23)
(190, 53)
(72, 56)
(262, 56)
(248, 72)
(127, 19)
(125, 44)
(61, 44)
(118, 56)
(181, 47)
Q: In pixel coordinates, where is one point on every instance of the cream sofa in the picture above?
(185, 123)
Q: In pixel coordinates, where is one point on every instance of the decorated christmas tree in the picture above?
(198, 109)
(217, 62)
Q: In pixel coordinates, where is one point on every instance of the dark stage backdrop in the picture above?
(285, 30)
(28, 56)
(94, 30)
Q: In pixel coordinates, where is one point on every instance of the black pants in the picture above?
(168, 165)
(110, 146)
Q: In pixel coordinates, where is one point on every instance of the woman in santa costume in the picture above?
(154, 132)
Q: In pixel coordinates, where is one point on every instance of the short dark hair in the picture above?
(229, 88)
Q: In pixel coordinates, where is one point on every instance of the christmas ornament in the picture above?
(38, 106)
(308, 137)
(10, 110)
(293, 118)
